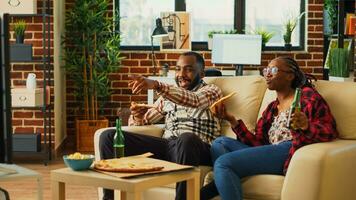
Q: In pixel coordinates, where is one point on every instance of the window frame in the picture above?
(239, 25)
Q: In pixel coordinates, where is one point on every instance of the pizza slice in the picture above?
(222, 100)
(125, 166)
(134, 104)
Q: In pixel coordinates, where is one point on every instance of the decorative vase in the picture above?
(288, 47)
(20, 39)
(31, 81)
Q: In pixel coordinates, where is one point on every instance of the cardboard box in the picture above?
(23, 97)
(18, 7)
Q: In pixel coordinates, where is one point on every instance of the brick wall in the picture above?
(31, 120)
(139, 62)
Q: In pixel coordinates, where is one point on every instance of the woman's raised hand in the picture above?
(219, 110)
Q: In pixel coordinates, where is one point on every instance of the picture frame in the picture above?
(177, 24)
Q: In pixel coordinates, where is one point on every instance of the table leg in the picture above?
(58, 190)
(39, 188)
(193, 192)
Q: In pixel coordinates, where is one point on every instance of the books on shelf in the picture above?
(350, 24)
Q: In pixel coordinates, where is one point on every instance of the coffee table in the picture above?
(131, 188)
(21, 174)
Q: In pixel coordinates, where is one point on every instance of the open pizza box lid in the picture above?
(143, 160)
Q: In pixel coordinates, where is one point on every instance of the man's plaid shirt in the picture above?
(185, 111)
(322, 125)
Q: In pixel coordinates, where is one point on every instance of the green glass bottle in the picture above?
(295, 107)
(119, 141)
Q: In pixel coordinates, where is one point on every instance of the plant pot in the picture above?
(288, 47)
(263, 47)
(85, 133)
(210, 43)
(20, 39)
(341, 79)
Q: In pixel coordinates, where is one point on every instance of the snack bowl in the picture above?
(78, 162)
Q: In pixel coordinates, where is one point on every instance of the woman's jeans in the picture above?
(235, 160)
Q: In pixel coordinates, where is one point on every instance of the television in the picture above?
(237, 49)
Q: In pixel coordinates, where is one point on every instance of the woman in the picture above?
(270, 148)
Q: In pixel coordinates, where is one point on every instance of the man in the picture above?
(190, 126)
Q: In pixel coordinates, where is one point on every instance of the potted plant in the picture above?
(91, 53)
(20, 52)
(339, 58)
(19, 29)
(210, 38)
(289, 27)
(266, 35)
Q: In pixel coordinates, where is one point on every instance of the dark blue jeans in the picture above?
(235, 160)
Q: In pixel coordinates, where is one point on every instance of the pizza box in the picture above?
(142, 161)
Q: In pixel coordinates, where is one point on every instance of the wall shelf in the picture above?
(6, 138)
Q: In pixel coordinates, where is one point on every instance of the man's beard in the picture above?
(193, 84)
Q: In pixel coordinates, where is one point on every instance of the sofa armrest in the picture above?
(322, 171)
(152, 130)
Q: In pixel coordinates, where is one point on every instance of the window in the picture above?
(215, 15)
(271, 15)
(138, 19)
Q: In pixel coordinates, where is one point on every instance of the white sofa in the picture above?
(323, 171)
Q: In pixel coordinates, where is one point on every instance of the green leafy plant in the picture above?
(232, 31)
(211, 33)
(20, 27)
(339, 62)
(91, 53)
(334, 45)
(266, 35)
(330, 7)
(289, 27)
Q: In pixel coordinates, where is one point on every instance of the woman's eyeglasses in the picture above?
(273, 70)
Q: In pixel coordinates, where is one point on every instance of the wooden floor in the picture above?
(26, 190)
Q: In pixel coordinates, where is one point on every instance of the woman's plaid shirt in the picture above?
(322, 125)
(185, 111)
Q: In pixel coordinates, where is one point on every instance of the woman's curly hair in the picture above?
(300, 78)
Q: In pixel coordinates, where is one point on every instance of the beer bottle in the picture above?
(295, 107)
(119, 141)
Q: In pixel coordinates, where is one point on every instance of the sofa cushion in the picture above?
(341, 97)
(246, 103)
(269, 96)
(155, 130)
(262, 187)
(259, 187)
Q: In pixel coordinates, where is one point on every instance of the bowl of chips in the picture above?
(78, 161)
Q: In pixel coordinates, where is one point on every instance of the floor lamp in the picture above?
(157, 33)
